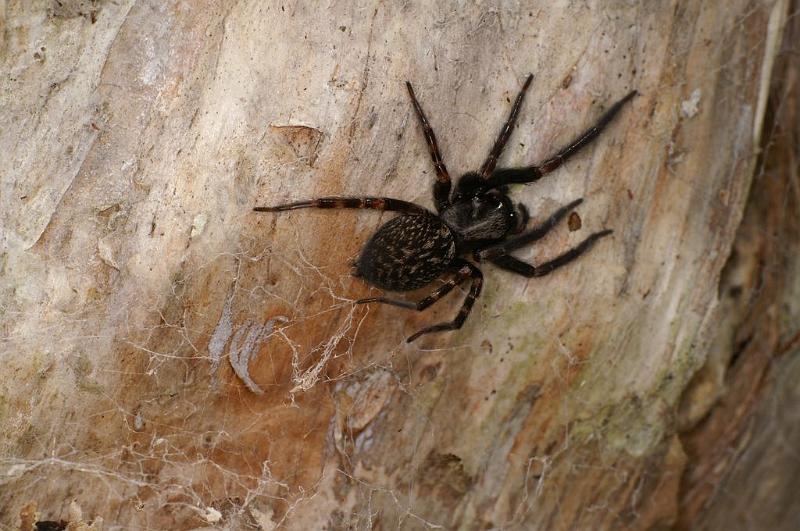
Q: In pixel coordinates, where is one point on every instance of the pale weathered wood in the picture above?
(174, 360)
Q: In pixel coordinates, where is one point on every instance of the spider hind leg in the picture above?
(462, 274)
(463, 270)
(369, 203)
(467, 271)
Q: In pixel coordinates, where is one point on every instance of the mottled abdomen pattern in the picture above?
(407, 253)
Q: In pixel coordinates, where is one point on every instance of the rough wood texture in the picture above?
(744, 470)
(173, 360)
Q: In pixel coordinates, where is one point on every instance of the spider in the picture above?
(478, 218)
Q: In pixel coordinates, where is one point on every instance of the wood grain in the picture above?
(139, 135)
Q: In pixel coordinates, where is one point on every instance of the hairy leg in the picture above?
(371, 203)
(505, 132)
(441, 188)
(509, 263)
(504, 248)
(532, 173)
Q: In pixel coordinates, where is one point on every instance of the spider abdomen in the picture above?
(406, 253)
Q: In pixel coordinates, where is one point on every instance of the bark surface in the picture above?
(173, 360)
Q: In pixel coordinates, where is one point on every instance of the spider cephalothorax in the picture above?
(478, 219)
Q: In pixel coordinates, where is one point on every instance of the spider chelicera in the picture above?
(477, 218)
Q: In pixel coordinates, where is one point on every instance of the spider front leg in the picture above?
(505, 132)
(463, 270)
(514, 265)
(532, 173)
(537, 233)
(441, 188)
(498, 254)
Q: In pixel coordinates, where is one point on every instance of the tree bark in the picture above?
(174, 360)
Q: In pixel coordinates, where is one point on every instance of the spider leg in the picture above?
(509, 263)
(533, 173)
(505, 132)
(467, 270)
(372, 203)
(441, 188)
(503, 248)
(463, 272)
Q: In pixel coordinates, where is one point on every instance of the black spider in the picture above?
(418, 246)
